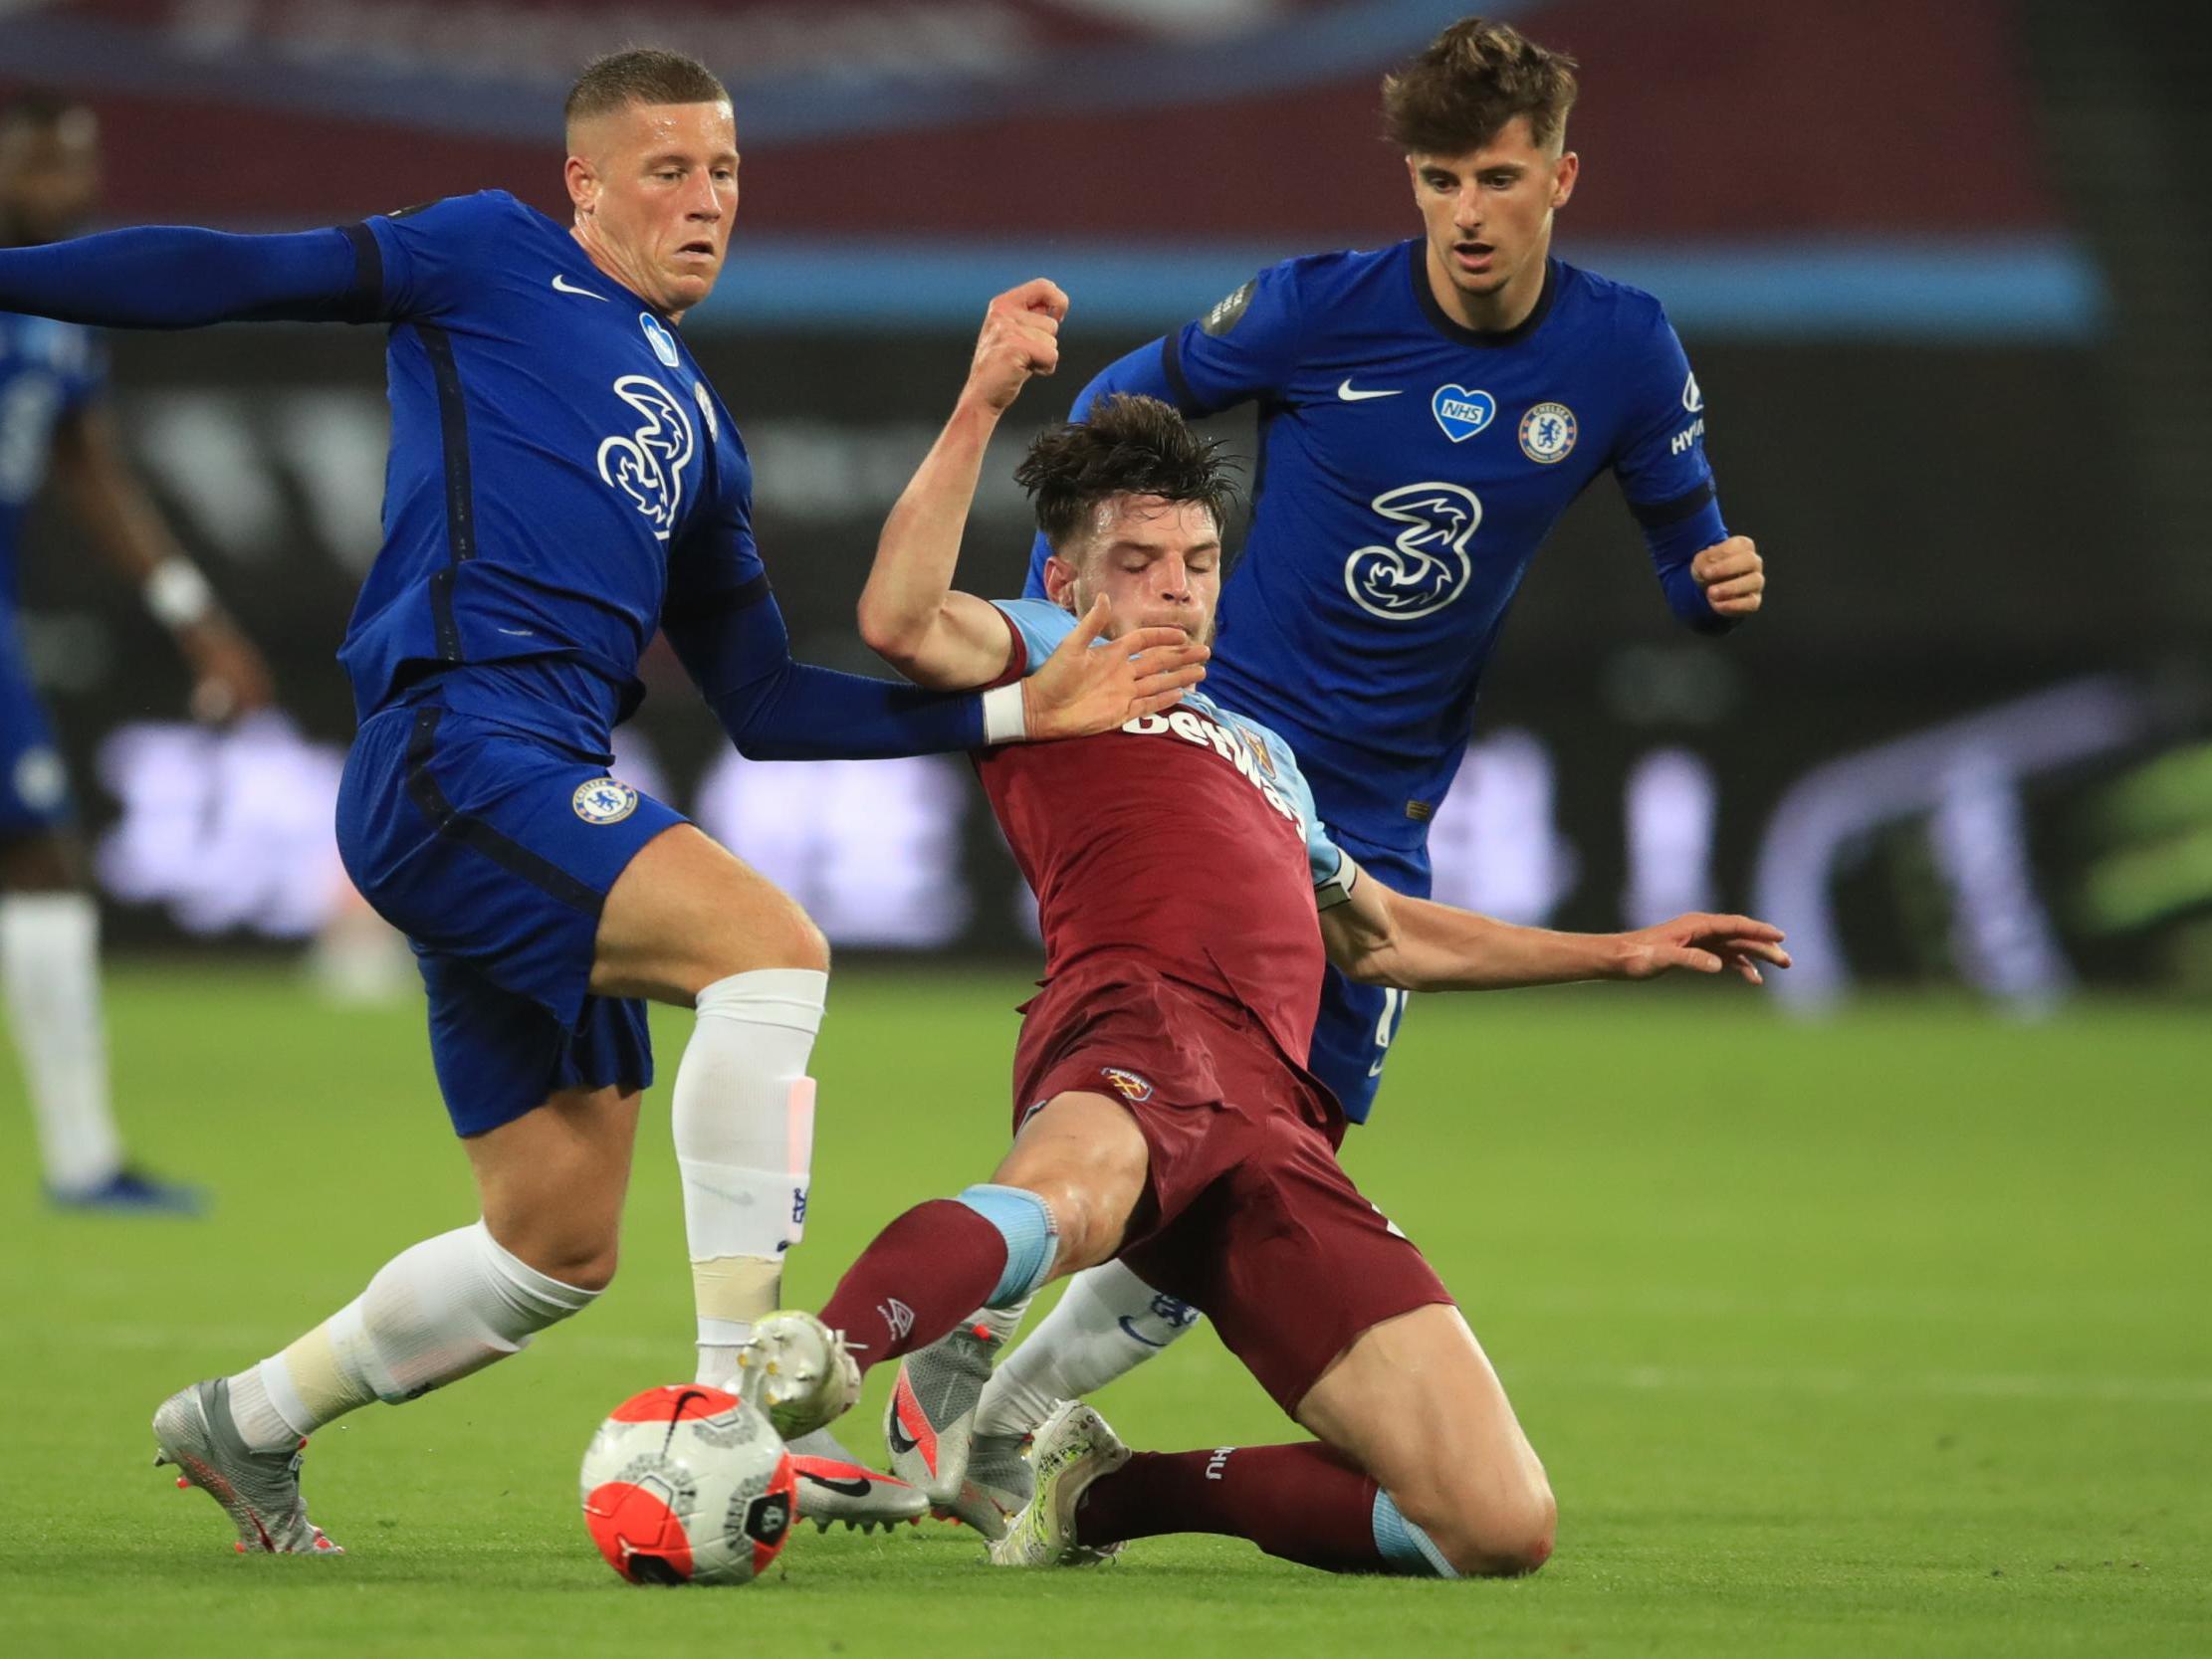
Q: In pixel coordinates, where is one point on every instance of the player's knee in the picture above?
(579, 1255)
(1502, 1536)
(787, 937)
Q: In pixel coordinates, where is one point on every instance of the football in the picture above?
(685, 1485)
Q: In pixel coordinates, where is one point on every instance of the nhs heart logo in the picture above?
(1462, 413)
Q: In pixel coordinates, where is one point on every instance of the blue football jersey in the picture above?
(1408, 470)
(47, 370)
(559, 467)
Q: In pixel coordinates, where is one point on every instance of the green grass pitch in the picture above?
(1887, 1337)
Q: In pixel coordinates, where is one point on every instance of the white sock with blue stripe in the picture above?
(1108, 1321)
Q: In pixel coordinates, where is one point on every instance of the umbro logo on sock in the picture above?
(898, 1316)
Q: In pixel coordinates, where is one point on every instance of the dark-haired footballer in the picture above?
(55, 426)
(562, 482)
(1427, 412)
(1163, 1110)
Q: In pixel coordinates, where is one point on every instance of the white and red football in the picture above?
(685, 1485)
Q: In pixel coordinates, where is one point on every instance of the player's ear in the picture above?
(1059, 582)
(1563, 178)
(583, 184)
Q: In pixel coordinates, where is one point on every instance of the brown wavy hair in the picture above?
(1473, 79)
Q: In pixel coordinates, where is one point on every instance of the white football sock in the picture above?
(50, 961)
(434, 1312)
(1108, 1321)
(744, 1122)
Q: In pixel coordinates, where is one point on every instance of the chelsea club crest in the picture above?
(1548, 432)
(605, 800)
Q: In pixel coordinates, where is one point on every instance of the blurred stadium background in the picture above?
(1877, 1336)
(1940, 272)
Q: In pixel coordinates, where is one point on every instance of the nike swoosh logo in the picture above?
(897, 1436)
(1134, 1334)
(561, 284)
(1345, 391)
(851, 1489)
(1375, 1070)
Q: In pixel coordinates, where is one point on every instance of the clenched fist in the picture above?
(1020, 337)
(1732, 575)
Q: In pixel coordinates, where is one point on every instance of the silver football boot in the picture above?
(259, 1490)
(837, 1488)
(930, 1426)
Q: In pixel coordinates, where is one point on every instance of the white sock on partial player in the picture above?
(1108, 1321)
(743, 1121)
(50, 961)
(434, 1312)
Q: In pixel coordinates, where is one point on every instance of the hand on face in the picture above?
(1080, 691)
(1020, 337)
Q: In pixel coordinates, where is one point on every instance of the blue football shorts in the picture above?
(34, 788)
(494, 851)
(1353, 1033)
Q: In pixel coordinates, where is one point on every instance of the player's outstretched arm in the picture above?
(1387, 938)
(910, 613)
(229, 676)
(173, 277)
(738, 651)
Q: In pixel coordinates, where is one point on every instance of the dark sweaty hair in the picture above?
(1127, 446)
(1472, 80)
(640, 74)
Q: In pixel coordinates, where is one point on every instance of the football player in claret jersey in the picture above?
(562, 482)
(1162, 1106)
(54, 421)
(1427, 412)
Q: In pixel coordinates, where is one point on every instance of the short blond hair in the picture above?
(640, 74)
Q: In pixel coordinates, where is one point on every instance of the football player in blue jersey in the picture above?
(562, 482)
(1427, 413)
(53, 422)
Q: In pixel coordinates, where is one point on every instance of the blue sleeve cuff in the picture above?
(1678, 532)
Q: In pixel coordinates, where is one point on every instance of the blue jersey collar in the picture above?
(1416, 266)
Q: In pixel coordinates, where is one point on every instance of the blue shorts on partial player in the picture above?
(494, 852)
(1357, 1024)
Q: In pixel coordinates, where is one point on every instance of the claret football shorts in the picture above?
(494, 851)
(1246, 1215)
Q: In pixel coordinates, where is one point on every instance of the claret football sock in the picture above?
(934, 1265)
(1108, 1323)
(433, 1314)
(1302, 1502)
(50, 961)
(744, 1122)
